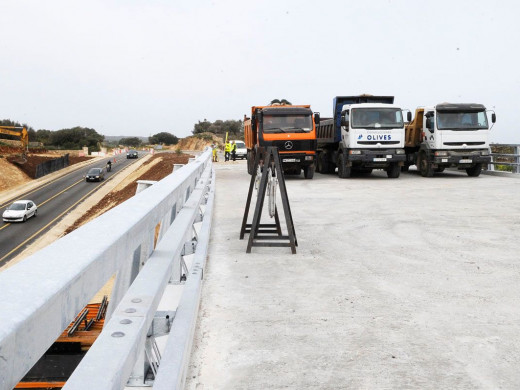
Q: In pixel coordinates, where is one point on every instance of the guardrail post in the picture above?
(144, 184)
(177, 167)
(517, 159)
(491, 165)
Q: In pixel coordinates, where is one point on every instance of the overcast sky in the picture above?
(136, 68)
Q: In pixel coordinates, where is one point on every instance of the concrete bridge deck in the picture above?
(407, 283)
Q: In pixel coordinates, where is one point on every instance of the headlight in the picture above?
(441, 154)
(309, 157)
(355, 152)
(97, 177)
(485, 153)
(399, 151)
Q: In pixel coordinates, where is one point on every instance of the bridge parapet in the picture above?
(44, 293)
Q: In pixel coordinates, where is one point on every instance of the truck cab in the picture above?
(449, 135)
(290, 128)
(372, 126)
(366, 133)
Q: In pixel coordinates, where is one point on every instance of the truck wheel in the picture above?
(424, 166)
(323, 163)
(250, 162)
(308, 172)
(343, 170)
(393, 171)
(474, 171)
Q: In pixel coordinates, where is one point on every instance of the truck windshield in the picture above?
(375, 118)
(287, 123)
(462, 120)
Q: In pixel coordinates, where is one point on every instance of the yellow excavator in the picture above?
(15, 130)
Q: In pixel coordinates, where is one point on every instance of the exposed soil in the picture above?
(17, 169)
(160, 166)
(200, 141)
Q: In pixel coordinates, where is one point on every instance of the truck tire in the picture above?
(343, 170)
(308, 172)
(425, 167)
(474, 171)
(393, 171)
(250, 162)
(323, 163)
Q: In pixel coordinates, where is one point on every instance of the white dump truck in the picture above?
(366, 133)
(449, 135)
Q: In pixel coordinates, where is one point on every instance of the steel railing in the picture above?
(43, 294)
(506, 157)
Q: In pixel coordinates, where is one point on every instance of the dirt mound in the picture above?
(11, 176)
(200, 141)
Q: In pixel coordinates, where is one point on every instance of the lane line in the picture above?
(61, 192)
(46, 226)
(22, 196)
(6, 225)
(60, 215)
(51, 198)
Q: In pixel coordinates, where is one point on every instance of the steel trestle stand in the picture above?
(268, 235)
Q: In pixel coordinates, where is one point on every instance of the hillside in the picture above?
(200, 141)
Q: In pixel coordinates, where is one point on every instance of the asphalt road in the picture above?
(54, 200)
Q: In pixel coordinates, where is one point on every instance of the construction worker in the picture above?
(233, 151)
(215, 156)
(227, 151)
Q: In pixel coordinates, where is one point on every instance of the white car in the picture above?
(241, 149)
(20, 211)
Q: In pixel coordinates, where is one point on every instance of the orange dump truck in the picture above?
(291, 128)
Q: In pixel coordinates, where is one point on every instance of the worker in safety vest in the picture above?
(215, 156)
(227, 151)
(233, 151)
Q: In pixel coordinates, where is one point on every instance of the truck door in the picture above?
(429, 129)
(345, 125)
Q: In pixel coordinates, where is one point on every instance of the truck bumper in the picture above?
(461, 158)
(376, 158)
(295, 160)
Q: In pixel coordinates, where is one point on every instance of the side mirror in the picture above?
(409, 116)
(493, 117)
(317, 118)
(344, 121)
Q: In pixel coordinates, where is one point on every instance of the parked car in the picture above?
(95, 174)
(131, 154)
(20, 211)
(241, 149)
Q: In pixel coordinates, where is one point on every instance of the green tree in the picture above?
(130, 141)
(164, 138)
(44, 136)
(201, 127)
(219, 127)
(76, 138)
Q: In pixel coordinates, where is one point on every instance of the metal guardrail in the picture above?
(43, 294)
(505, 159)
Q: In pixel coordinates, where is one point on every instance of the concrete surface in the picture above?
(409, 283)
